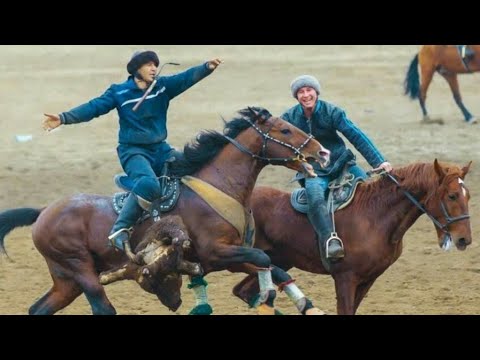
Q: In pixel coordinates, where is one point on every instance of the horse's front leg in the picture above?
(453, 83)
(248, 290)
(362, 290)
(238, 259)
(250, 260)
(345, 288)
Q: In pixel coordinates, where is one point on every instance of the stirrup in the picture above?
(333, 236)
(112, 237)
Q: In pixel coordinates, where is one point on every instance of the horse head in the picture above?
(284, 143)
(449, 206)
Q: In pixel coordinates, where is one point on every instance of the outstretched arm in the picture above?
(178, 83)
(86, 112)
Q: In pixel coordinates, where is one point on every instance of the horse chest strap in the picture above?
(225, 206)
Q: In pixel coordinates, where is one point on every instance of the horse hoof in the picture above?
(315, 311)
(427, 120)
(472, 120)
(264, 309)
(203, 309)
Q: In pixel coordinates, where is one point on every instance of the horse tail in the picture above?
(11, 219)
(412, 81)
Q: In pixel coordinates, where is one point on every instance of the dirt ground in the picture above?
(366, 80)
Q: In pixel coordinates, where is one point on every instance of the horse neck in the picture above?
(397, 212)
(233, 171)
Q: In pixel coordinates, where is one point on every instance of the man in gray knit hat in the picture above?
(324, 120)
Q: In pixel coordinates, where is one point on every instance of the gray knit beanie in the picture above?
(304, 80)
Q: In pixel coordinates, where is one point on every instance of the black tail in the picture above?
(412, 81)
(11, 219)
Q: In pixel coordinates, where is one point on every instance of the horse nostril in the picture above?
(462, 242)
(324, 153)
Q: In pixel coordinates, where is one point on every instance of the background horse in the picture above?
(447, 61)
(71, 233)
(371, 227)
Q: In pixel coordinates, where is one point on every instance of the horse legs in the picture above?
(427, 74)
(248, 289)
(88, 280)
(239, 259)
(362, 290)
(452, 80)
(62, 293)
(345, 288)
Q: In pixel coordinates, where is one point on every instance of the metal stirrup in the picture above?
(333, 235)
(126, 243)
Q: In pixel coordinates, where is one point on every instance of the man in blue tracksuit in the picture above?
(323, 120)
(142, 148)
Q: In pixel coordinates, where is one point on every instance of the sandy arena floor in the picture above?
(365, 80)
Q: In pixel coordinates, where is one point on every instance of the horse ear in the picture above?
(465, 170)
(257, 116)
(439, 170)
(254, 113)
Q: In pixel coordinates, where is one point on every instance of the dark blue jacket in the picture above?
(148, 124)
(326, 120)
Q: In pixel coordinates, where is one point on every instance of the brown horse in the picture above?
(372, 228)
(72, 233)
(448, 62)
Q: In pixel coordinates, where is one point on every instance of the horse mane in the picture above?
(413, 177)
(208, 143)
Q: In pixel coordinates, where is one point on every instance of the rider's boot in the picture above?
(121, 230)
(331, 248)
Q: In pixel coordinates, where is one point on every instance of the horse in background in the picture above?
(372, 228)
(71, 233)
(448, 61)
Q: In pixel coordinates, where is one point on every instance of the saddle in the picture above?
(170, 191)
(340, 193)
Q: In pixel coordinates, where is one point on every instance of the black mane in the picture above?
(208, 143)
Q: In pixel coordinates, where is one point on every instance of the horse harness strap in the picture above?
(266, 136)
(225, 206)
(464, 52)
(437, 223)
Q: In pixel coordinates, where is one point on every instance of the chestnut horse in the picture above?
(71, 233)
(448, 62)
(371, 227)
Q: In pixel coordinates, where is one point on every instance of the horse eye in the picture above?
(452, 197)
(285, 131)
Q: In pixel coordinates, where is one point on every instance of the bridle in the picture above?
(266, 137)
(443, 227)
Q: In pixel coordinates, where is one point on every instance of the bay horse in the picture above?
(371, 227)
(72, 232)
(447, 61)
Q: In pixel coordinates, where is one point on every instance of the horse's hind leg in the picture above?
(452, 80)
(427, 71)
(88, 280)
(62, 293)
